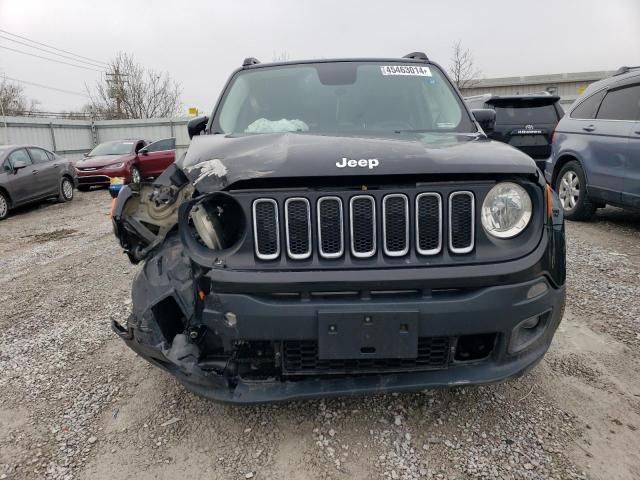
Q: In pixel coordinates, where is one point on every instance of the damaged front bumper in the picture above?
(266, 346)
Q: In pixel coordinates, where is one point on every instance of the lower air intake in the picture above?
(300, 357)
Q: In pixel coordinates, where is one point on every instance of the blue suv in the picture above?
(595, 157)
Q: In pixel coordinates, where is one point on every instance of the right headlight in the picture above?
(218, 221)
(506, 210)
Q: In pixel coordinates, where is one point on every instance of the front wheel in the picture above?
(571, 185)
(4, 206)
(66, 190)
(135, 176)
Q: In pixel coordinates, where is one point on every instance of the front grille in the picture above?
(361, 228)
(429, 223)
(330, 229)
(300, 357)
(266, 229)
(93, 179)
(461, 222)
(298, 228)
(395, 224)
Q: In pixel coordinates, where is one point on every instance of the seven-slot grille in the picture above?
(298, 228)
(266, 229)
(428, 223)
(362, 210)
(360, 220)
(461, 230)
(330, 229)
(395, 224)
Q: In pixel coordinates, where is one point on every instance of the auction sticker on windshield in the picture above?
(405, 70)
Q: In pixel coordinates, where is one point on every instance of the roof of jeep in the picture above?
(248, 65)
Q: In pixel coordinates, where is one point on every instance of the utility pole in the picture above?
(116, 88)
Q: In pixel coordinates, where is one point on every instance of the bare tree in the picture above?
(130, 90)
(463, 68)
(13, 101)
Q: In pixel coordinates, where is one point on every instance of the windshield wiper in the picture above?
(424, 130)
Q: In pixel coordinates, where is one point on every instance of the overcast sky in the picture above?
(200, 43)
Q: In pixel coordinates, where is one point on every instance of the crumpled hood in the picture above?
(214, 162)
(100, 161)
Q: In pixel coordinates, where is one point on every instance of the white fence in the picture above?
(72, 138)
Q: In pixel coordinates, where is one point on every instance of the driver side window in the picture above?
(19, 155)
(162, 145)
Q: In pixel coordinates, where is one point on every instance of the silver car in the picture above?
(29, 174)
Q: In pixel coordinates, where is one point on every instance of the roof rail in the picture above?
(478, 96)
(417, 56)
(624, 69)
(250, 61)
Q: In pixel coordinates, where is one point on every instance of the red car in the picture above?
(133, 160)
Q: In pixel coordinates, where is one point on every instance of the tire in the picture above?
(134, 175)
(84, 188)
(4, 206)
(66, 190)
(571, 185)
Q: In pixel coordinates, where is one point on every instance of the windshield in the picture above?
(342, 97)
(112, 148)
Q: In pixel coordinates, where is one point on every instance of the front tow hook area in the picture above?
(122, 332)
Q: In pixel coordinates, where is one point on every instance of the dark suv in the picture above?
(596, 147)
(526, 122)
(340, 227)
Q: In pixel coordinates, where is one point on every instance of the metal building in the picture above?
(568, 86)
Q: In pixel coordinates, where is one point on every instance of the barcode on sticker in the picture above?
(405, 70)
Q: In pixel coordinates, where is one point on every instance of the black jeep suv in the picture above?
(340, 227)
(526, 122)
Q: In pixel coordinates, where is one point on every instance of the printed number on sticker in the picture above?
(406, 70)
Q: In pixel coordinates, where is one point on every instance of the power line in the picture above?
(54, 48)
(51, 53)
(46, 86)
(51, 59)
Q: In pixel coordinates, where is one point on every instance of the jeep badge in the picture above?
(363, 162)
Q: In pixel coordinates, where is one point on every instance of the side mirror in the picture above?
(18, 164)
(85, 154)
(197, 125)
(486, 117)
(143, 151)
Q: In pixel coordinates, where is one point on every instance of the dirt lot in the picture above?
(76, 403)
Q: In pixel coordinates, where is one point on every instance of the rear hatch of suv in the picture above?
(527, 122)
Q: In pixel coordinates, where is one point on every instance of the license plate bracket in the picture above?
(362, 335)
(528, 140)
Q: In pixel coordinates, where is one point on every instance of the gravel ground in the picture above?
(77, 404)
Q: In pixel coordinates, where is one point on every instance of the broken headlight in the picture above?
(218, 221)
(506, 210)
